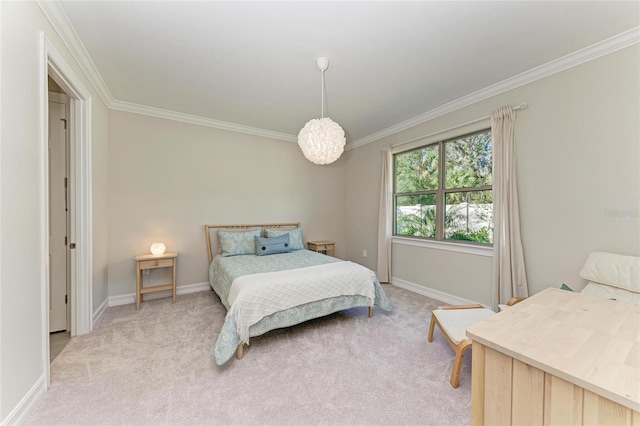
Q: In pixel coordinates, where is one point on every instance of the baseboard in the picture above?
(27, 404)
(447, 298)
(125, 299)
(98, 313)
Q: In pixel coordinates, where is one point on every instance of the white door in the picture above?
(58, 214)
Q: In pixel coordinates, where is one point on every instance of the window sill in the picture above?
(447, 246)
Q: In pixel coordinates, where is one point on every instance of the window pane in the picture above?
(417, 170)
(469, 216)
(416, 215)
(469, 161)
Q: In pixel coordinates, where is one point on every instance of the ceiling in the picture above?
(253, 63)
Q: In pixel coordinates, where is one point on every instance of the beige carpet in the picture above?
(155, 366)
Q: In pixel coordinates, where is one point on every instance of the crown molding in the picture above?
(578, 57)
(201, 121)
(62, 26)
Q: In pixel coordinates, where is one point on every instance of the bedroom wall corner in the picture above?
(168, 178)
(100, 206)
(362, 194)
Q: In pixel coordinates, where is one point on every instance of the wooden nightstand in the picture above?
(151, 261)
(323, 247)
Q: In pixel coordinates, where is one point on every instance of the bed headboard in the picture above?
(211, 233)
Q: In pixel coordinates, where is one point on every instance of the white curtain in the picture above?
(508, 259)
(385, 219)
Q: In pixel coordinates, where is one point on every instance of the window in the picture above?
(443, 191)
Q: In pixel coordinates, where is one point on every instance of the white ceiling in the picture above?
(253, 63)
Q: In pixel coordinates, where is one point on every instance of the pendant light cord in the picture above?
(322, 96)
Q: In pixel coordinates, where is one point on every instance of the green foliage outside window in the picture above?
(465, 193)
(469, 161)
(416, 215)
(417, 170)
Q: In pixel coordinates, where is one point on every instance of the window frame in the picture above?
(440, 192)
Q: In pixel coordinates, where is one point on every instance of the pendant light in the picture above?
(322, 139)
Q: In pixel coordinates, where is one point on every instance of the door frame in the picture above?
(53, 64)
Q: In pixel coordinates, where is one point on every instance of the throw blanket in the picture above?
(253, 297)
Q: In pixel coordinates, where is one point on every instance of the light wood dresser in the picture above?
(557, 358)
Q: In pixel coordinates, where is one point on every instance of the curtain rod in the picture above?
(519, 107)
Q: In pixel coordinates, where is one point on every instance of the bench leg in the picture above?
(432, 326)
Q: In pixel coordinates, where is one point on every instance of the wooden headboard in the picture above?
(212, 236)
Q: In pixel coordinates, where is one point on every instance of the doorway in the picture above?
(59, 219)
(79, 240)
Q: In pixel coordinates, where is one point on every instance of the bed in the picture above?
(290, 286)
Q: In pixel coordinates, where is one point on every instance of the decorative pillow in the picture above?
(565, 287)
(235, 243)
(295, 237)
(259, 228)
(273, 245)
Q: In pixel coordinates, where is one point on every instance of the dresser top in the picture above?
(154, 257)
(589, 341)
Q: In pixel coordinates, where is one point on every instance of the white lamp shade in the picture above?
(322, 140)
(157, 249)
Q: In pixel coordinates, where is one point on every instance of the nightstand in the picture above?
(323, 247)
(151, 261)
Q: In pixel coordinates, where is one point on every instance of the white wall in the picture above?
(22, 355)
(578, 150)
(167, 179)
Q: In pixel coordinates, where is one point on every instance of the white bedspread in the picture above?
(253, 297)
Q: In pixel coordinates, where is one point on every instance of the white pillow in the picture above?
(614, 270)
